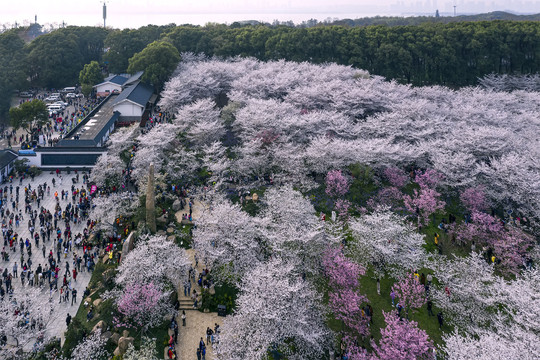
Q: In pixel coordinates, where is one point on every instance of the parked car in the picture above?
(62, 103)
(26, 94)
(71, 96)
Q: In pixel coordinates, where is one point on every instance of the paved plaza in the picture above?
(57, 323)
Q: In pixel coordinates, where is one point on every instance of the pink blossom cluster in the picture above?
(428, 178)
(342, 207)
(410, 292)
(345, 301)
(474, 199)
(336, 183)
(140, 302)
(426, 201)
(397, 177)
(402, 339)
(510, 244)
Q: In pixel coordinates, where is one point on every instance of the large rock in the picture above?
(123, 344)
(162, 219)
(177, 205)
(97, 302)
(115, 337)
(170, 230)
(101, 325)
(106, 335)
(171, 238)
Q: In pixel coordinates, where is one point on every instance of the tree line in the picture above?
(453, 54)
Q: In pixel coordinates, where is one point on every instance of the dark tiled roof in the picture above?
(6, 157)
(115, 79)
(138, 93)
(133, 78)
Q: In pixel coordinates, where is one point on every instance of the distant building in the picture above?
(134, 103)
(7, 158)
(116, 83)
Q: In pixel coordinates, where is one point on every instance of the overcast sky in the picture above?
(136, 13)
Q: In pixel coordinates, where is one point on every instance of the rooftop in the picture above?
(115, 79)
(6, 157)
(90, 131)
(137, 93)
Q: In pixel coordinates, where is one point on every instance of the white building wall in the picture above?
(129, 109)
(108, 87)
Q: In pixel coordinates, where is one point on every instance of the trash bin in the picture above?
(221, 310)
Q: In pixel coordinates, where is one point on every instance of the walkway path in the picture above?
(196, 321)
(57, 324)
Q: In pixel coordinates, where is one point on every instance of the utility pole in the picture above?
(454, 10)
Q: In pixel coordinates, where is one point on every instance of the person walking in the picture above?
(183, 318)
(15, 269)
(73, 296)
(208, 335)
(68, 319)
(440, 319)
(201, 344)
(430, 308)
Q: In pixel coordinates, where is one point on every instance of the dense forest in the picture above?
(431, 53)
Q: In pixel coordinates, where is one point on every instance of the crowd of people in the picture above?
(47, 244)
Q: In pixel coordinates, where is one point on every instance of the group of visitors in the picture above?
(40, 245)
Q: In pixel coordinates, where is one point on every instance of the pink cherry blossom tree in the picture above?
(474, 199)
(143, 305)
(345, 300)
(396, 177)
(426, 201)
(402, 339)
(336, 184)
(410, 292)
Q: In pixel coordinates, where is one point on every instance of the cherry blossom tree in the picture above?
(402, 339)
(91, 347)
(108, 171)
(24, 317)
(336, 184)
(386, 241)
(146, 351)
(425, 202)
(474, 199)
(395, 176)
(200, 122)
(107, 208)
(345, 301)
(143, 305)
(153, 260)
(466, 287)
(512, 343)
(410, 292)
(292, 229)
(275, 308)
(229, 240)
(122, 139)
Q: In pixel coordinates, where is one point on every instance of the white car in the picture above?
(61, 103)
(25, 94)
(71, 96)
(52, 98)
